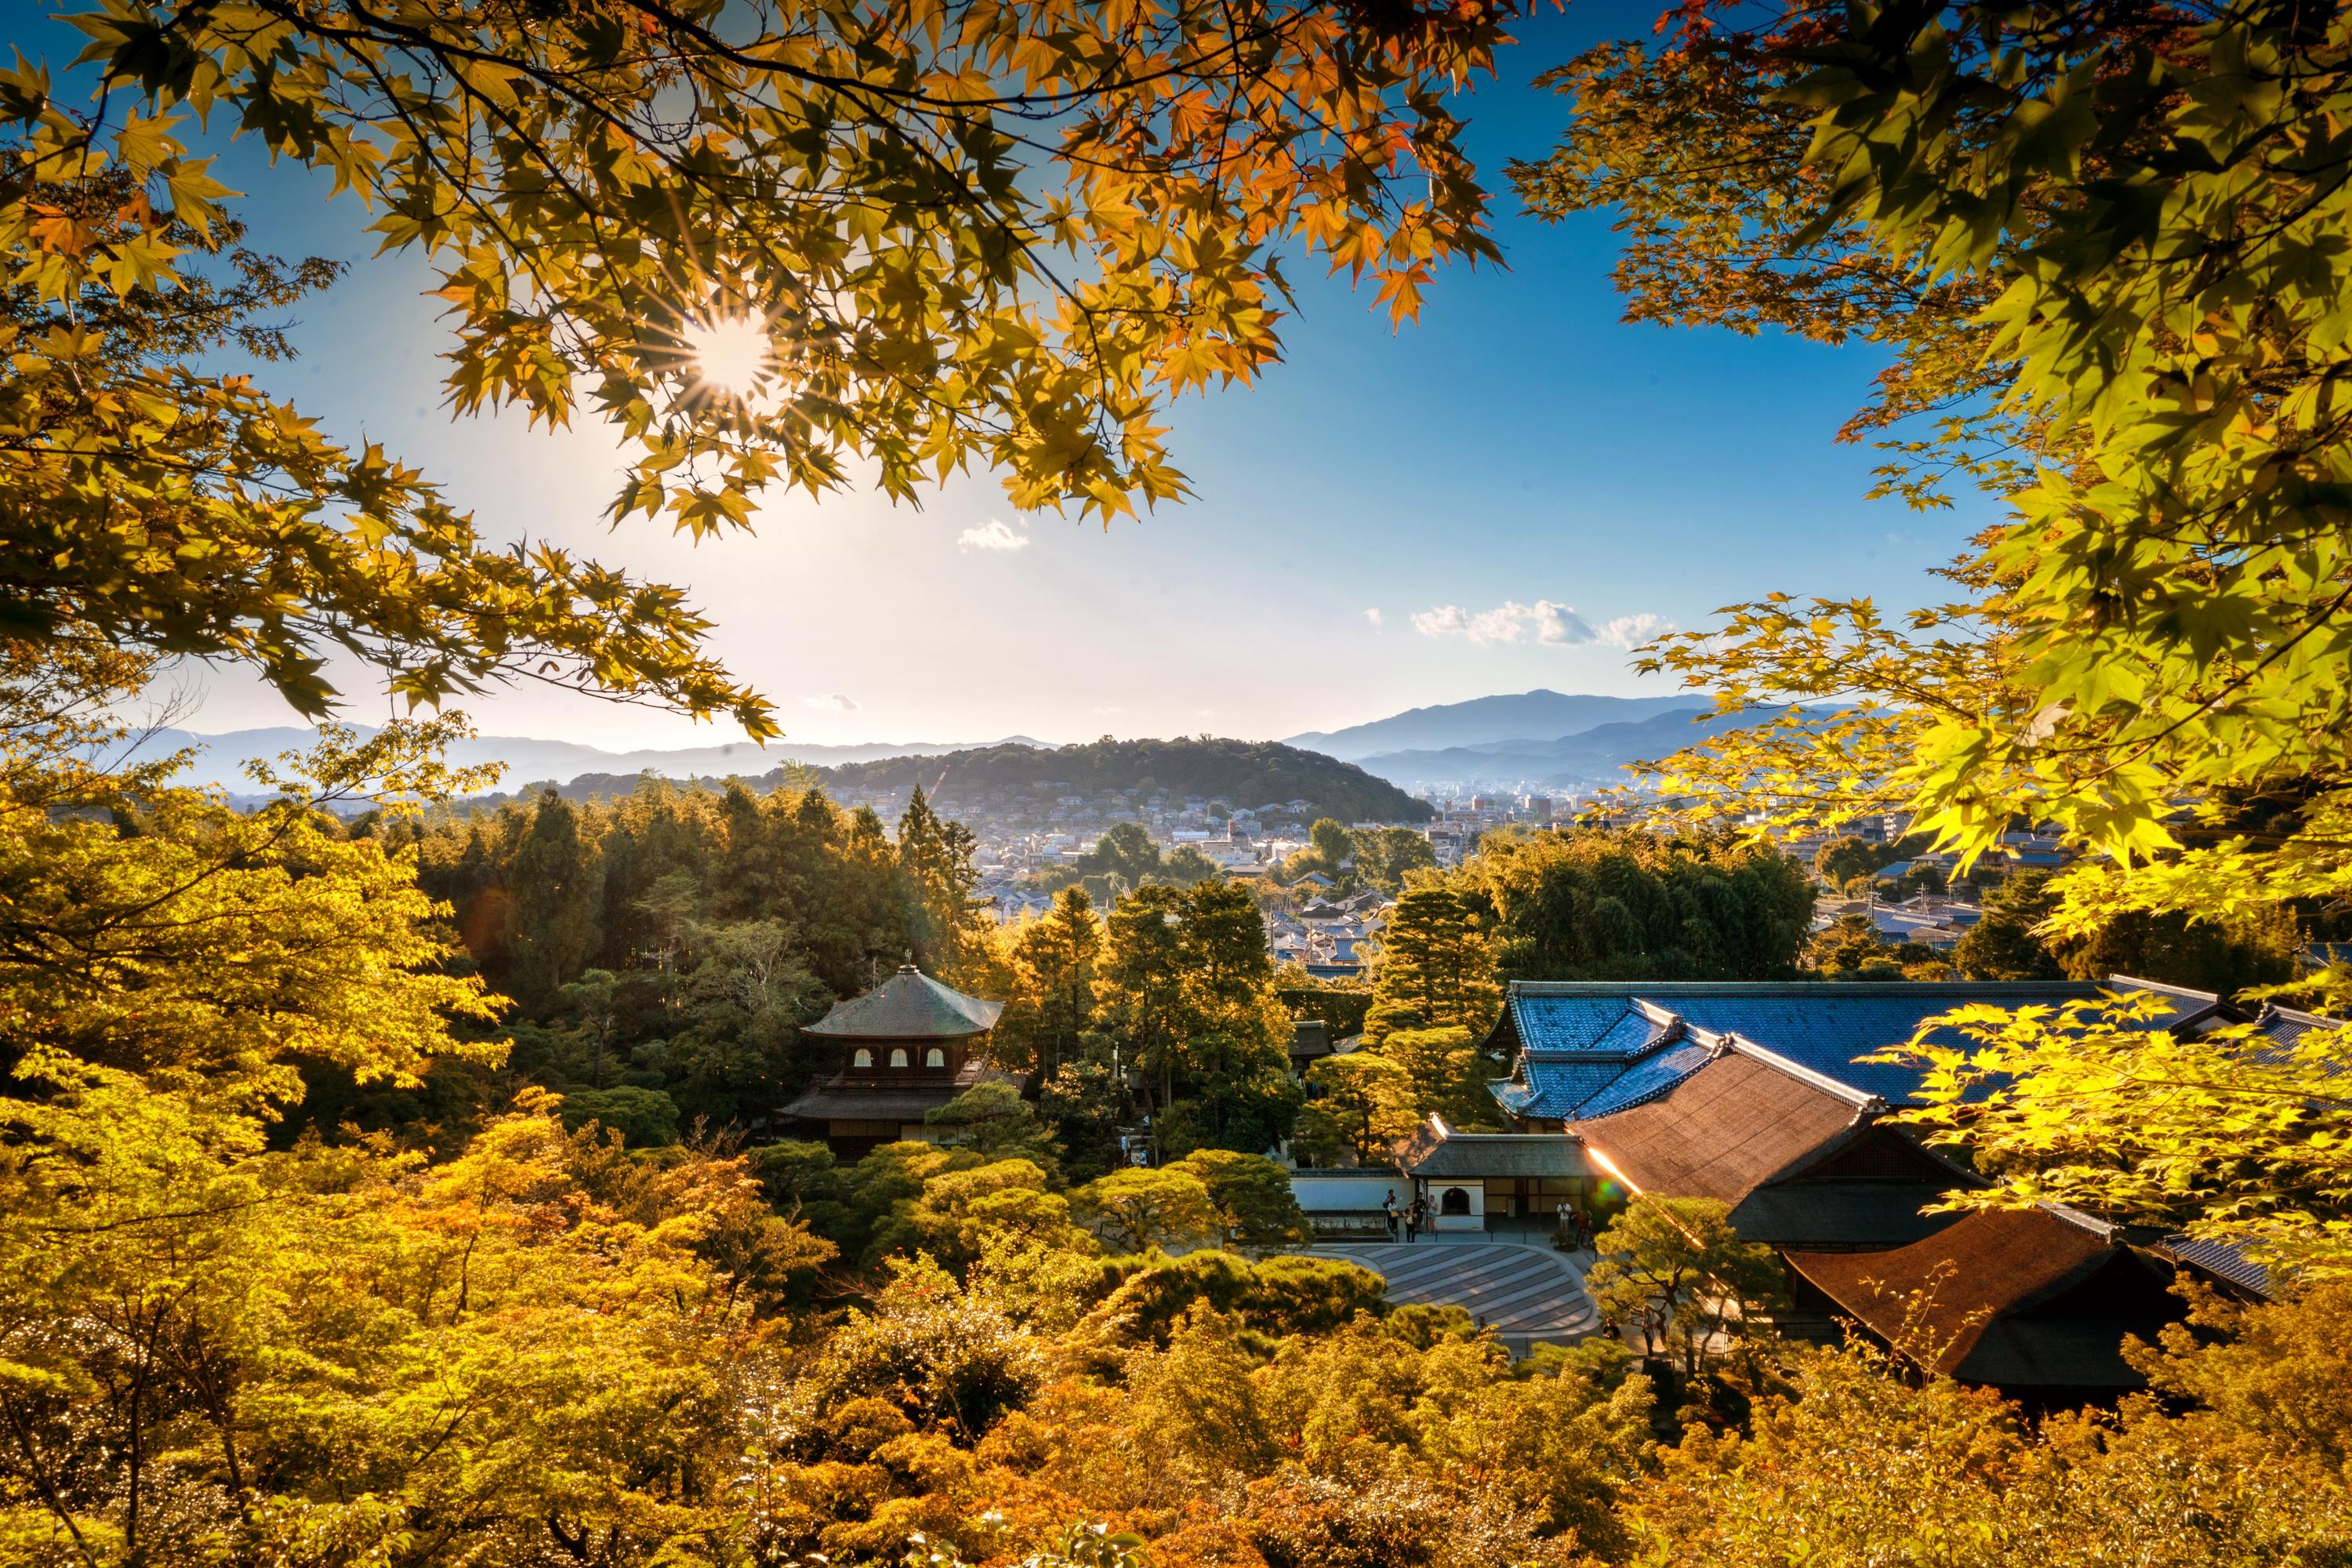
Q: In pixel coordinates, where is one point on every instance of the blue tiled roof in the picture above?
(1829, 1034)
(1554, 1088)
(2288, 1028)
(1646, 1080)
(1585, 1049)
(1571, 1023)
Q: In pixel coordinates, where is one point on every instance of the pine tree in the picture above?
(556, 891)
(1055, 959)
(1436, 968)
(936, 874)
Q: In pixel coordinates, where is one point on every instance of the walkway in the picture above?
(1525, 1294)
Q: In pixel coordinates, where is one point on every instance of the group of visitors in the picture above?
(1576, 1228)
(1414, 1215)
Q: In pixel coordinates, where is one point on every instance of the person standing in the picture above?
(1388, 1213)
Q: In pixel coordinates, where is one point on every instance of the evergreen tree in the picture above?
(1126, 852)
(1436, 968)
(1850, 947)
(2004, 943)
(1053, 961)
(1841, 860)
(1633, 905)
(1142, 986)
(936, 870)
(556, 890)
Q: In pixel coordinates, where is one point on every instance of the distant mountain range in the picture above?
(220, 759)
(1588, 759)
(1550, 737)
(1488, 720)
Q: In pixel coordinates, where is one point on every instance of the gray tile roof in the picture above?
(1435, 1155)
(909, 1006)
(2222, 1259)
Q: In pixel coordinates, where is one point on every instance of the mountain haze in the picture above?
(220, 759)
(1530, 716)
(1592, 758)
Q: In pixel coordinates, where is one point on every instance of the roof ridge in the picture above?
(1861, 1099)
(2295, 1015)
(2105, 1230)
(2163, 987)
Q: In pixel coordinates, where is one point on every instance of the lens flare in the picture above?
(730, 353)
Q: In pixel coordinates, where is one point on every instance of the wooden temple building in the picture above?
(1778, 1100)
(907, 1047)
(2034, 1303)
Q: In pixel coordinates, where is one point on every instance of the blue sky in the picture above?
(1521, 458)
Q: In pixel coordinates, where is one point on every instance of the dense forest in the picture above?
(1637, 905)
(660, 953)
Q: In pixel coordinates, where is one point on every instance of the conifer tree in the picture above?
(1436, 968)
(555, 890)
(936, 869)
(1054, 960)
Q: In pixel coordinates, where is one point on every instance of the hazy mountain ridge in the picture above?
(1592, 757)
(220, 759)
(1487, 740)
(1507, 720)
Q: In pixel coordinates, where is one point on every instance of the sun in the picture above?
(730, 353)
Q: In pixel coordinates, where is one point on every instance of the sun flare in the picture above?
(730, 353)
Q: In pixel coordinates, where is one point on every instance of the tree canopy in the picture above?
(758, 242)
(2099, 245)
(2103, 249)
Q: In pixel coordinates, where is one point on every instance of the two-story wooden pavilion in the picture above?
(907, 1047)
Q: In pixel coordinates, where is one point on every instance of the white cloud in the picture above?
(1109, 709)
(1559, 624)
(1546, 621)
(995, 534)
(1510, 621)
(1633, 631)
(1378, 619)
(832, 702)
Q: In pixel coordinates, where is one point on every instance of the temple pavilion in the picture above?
(907, 1047)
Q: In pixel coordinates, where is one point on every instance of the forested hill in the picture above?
(1246, 773)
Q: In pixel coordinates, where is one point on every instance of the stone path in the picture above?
(1527, 1294)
